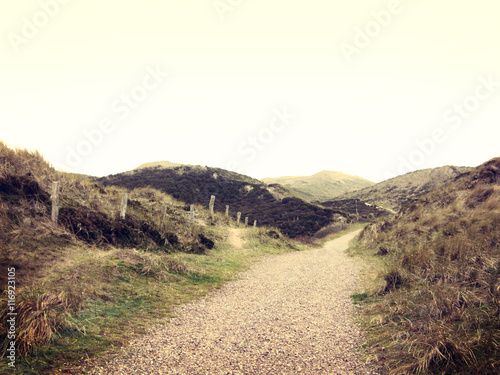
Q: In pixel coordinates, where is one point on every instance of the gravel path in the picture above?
(289, 314)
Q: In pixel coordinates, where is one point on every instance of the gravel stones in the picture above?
(288, 314)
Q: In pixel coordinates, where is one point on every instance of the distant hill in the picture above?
(163, 164)
(321, 186)
(398, 191)
(356, 209)
(440, 282)
(271, 205)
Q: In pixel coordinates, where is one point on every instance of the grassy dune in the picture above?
(321, 186)
(271, 206)
(431, 303)
(396, 192)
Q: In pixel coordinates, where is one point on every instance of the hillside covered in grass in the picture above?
(80, 280)
(321, 186)
(356, 209)
(270, 205)
(398, 191)
(434, 307)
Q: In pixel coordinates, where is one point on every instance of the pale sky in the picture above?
(265, 87)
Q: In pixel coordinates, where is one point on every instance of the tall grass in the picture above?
(436, 309)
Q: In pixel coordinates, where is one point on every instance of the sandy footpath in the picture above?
(288, 314)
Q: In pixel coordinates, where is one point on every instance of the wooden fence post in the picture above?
(255, 223)
(192, 213)
(97, 199)
(238, 217)
(227, 210)
(123, 209)
(163, 214)
(246, 221)
(211, 205)
(55, 200)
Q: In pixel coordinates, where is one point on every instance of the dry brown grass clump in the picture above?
(439, 309)
(40, 317)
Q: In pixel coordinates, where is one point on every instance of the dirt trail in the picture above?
(289, 314)
(234, 237)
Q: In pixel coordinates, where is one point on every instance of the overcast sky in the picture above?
(264, 87)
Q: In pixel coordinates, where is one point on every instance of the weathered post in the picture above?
(123, 209)
(255, 223)
(94, 199)
(246, 221)
(238, 218)
(211, 205)
(191, 212)
(163, 214)
(227, 210)
(55, 200)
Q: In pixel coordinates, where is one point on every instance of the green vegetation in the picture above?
(431, 302)
(124, 288)
(432, 286)
(321, 186)
(359, 297)
(81, 280)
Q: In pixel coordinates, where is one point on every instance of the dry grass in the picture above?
(80, 281)
(398, 191)
(40, 317)
(437, 306)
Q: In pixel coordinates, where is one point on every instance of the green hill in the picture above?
(321, 186)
